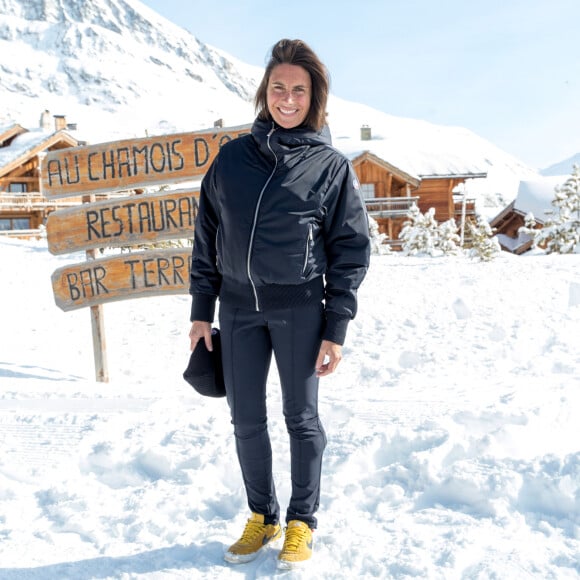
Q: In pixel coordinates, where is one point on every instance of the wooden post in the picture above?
(99, 344)
(463, 212)
(98, 325)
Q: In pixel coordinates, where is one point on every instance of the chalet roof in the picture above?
(29, 143)
(535, 196)
(9, 130)
(420, 164)
(404, 176)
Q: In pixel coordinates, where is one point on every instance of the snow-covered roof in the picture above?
(417, 147)
(22, 144)
(5, 126)
(515, 245)
(535, 196)
(414, 160)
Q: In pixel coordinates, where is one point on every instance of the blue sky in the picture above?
(509, 70)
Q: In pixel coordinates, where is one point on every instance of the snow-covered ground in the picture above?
(452, 424)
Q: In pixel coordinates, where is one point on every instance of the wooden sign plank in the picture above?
(132, 163)
(130, 275)
(133, 220)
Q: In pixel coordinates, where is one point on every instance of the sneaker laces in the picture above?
(252, 530)
(294, 537)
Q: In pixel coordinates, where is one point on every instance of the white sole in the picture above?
(245, 558)
(285, 565)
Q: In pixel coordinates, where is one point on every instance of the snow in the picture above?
(21, 144)
(536, 196)
(452, 428)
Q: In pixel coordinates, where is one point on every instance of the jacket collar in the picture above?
(284, 140)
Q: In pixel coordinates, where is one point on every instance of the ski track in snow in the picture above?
(446, 457)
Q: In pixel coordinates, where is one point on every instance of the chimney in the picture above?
(59, 122)
(365, 133)
(45, 120)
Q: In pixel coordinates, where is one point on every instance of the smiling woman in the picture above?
(295, 86)
(282, 238)
(289, 95)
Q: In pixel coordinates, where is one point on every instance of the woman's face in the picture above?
(289, 93)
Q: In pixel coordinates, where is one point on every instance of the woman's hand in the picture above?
(329, 356)
(200, 329)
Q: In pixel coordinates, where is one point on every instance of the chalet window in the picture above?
(17, 188)
(367, 190)
(14, 224)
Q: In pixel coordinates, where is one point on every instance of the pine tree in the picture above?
(484, 245)
(377, 239)
(561, 232)
(449, 239)
(420, 234)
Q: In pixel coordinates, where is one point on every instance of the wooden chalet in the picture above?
(22, 207)
(533, 197)
(391, 191)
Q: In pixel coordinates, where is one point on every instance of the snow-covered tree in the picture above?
(377, 239)
(419, 233)
(484, 245)
(449, 239)
(561, 232)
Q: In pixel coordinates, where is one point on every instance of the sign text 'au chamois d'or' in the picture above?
(132, 163)
(133, 220)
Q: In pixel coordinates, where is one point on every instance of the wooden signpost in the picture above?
(132, 163)
(135, 220)
(128, 275)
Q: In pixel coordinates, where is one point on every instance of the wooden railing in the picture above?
(34, 200)
(30, 202)
(389, 207)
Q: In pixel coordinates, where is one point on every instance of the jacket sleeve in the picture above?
(204, 278)
(347, 246)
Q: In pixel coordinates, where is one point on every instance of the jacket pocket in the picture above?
(308, 246)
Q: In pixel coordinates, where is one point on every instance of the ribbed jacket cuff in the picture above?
(335, 329)
(203, 307)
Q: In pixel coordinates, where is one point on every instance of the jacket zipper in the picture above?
(255, 222)
(309, 241)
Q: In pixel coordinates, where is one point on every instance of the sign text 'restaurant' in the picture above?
(133, 220)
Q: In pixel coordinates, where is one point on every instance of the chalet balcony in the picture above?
(31, 201)
(35, 201)
(389, 207)
(470, 212)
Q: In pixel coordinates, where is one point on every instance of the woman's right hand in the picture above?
(200, 329)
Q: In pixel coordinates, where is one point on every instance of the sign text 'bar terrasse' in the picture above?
(132, 163)
(131, 275)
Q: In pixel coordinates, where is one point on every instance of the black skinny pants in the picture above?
(248, 340)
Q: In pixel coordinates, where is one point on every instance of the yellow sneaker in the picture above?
(297, 545)
(255, 536)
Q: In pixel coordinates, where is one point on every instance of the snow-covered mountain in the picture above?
(114, 67)
(118, 69)
(563, 167)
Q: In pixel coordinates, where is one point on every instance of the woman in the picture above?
(282, 238)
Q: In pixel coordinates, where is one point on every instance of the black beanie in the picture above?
(205, 371)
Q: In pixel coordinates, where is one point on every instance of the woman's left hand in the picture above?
(329, 356)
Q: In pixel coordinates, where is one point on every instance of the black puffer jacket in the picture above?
(281, 223)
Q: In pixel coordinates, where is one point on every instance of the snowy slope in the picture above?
(563, 167)
(117, 69)
(114, 66)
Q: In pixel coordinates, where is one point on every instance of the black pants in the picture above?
(248, 340)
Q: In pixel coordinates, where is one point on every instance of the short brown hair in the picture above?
(297, 52)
